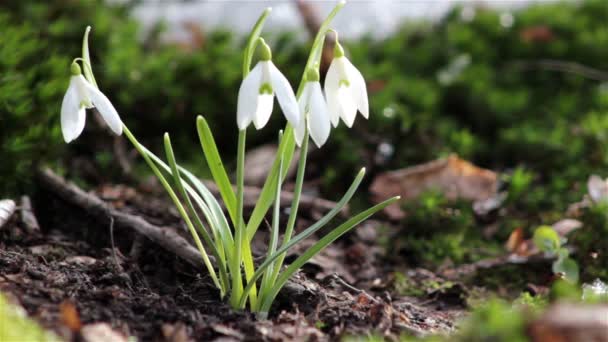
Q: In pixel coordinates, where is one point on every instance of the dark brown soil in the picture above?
(143, 291)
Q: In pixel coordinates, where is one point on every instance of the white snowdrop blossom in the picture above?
(256, 94)
(80, 96)
(345, 90)
(313, 112)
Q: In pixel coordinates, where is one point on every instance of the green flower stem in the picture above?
(267, 279)
(88, 71)
(237, 282)
(295, 203)
(177, 203)
(214, 245)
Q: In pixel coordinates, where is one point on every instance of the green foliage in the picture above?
(591, 240)
(439, 229)
(494, 321)
(548, 241)
(16, 326)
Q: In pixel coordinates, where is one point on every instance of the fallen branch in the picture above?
(163, 236)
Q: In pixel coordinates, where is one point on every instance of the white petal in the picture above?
(332, 80)
(302, 103)
(318, 124)
(248, 97)
(285, 95)
(105, 108)
(346, 104)
(73, 116)
(263, 111)
(359, 88)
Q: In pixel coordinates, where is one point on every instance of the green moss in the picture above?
(15, 326)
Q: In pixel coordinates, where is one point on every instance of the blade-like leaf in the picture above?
(317, 247)
(307, 232)
(285, 153)
(216, 166)
(197, 220)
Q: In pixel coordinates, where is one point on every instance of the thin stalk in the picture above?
(268, 278)
(179, 184)
(295, 203)
(177, 203)
(237, 282)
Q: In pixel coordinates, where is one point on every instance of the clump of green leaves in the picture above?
(548, 241)
(230, 247)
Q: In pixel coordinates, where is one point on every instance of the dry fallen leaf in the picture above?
(69, 316)
(453, 176)
(566, 226)
(515, 240)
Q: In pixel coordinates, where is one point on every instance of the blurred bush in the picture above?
(501, 89)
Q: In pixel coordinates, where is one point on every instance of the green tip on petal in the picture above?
(266, 53)
(75, 69)
(266, 88)
(338, 50)
(312, 75)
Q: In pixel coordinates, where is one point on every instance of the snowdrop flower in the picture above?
(345, 89)
(80, 96)
(256, 94)
(313, 111)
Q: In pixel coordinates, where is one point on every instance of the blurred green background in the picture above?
(529, 100)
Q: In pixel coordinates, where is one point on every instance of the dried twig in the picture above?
(163, 236)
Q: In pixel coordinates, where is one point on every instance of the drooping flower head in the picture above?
(257, 91)
(314, 114)
(81, 95)
(345, 89)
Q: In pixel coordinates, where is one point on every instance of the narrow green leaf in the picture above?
(274, 232)
(141, 149)
(306, 233)
(317, 247)
(220, 176)
(285, 153)
(197, 220)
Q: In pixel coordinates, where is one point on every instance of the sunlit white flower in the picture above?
(256, 94)
(345, 90)
(80, 96)
(313, 112)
